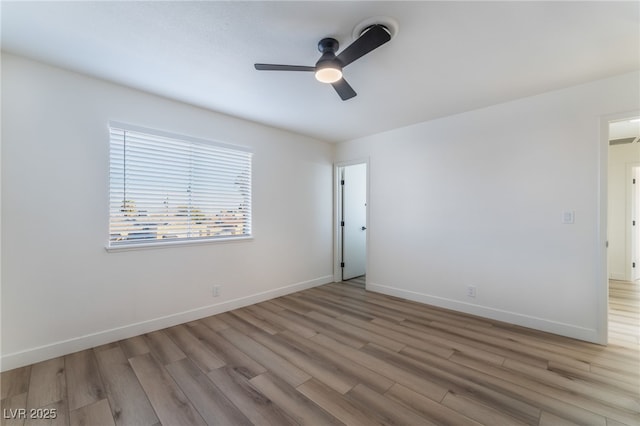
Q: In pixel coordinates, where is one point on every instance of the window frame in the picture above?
(180, 241)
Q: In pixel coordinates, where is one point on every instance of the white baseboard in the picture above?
(620, 276)
(65, 347)
(568, 330)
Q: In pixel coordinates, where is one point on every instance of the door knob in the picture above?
(364, 227)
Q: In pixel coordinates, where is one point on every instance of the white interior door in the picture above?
(635, 224)
(354, 221)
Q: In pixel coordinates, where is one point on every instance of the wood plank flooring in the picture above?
(336, 355)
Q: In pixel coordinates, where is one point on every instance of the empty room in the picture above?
(320, 212)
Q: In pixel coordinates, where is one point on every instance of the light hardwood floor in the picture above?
(335, 355)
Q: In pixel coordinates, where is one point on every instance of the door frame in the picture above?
(602, 275)
(631, 201)
(337, 213)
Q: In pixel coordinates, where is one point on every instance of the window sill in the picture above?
(173, 244)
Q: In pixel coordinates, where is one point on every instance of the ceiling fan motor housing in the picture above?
(328, 47)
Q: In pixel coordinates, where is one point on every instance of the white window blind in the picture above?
(166, 187)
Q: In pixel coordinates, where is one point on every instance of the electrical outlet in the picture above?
(216, 290)
(471, 291)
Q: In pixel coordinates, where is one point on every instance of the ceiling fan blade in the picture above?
(375, 37)
(274, 67)
(345, 91)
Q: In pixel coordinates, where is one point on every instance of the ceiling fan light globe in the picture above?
(328, 75)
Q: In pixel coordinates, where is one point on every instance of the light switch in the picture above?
(568, 217)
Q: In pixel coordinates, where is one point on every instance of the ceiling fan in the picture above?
(329, 67)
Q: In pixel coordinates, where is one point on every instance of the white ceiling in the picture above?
(447, 57)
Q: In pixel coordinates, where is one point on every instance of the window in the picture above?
(169, 188)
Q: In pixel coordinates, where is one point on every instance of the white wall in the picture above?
(478, 198)
(62, 291)
(621, 158)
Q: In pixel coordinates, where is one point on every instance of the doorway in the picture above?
(623, 197)
(619, 227)
(352, 221)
